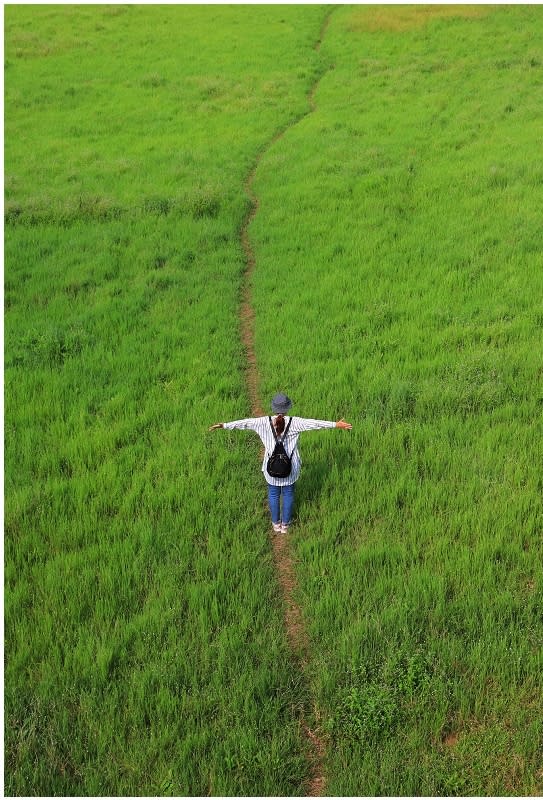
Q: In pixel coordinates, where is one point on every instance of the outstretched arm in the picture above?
(250, 424)
(301, 424)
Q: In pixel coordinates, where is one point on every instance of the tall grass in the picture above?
(145, 651)
(398, 229)
(399, 284)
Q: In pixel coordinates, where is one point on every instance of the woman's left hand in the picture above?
(345, 425)
(217, 425)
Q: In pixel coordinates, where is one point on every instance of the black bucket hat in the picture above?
(281, 403)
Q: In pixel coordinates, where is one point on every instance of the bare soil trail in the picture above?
(284, 563)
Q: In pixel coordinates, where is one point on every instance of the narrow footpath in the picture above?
(284, 564)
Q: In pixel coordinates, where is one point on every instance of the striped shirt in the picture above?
(261, 425)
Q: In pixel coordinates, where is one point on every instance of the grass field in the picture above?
(411, 200)
(144, 636)
(399, 224)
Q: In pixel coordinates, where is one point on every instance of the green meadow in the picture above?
(398, 284)
(412, 201)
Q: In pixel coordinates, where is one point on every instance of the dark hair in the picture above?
(280, 424)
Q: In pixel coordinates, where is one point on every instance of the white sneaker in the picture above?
(277, 527)
(284, 528)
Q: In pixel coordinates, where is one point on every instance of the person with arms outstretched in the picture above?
(282, 463)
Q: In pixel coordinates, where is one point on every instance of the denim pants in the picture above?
(274, 499)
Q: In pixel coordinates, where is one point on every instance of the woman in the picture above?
(291, 428)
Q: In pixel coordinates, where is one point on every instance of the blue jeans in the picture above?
(274, 500)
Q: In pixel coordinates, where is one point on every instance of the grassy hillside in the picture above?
(400, 226)
(144, 637)
(398, 283)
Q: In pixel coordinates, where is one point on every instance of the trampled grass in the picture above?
(398, 284)
(399, 225)
(144, 637)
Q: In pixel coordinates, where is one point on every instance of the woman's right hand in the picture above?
(342, 424)
(217, 425)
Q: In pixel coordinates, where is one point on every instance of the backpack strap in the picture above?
(286, 429)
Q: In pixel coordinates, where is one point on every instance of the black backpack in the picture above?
(279, 463)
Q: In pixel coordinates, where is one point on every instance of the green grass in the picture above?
(400, 225)
(398, 284)
(143, 628)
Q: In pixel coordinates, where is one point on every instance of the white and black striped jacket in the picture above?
(261, 425)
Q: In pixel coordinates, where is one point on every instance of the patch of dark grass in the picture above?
(198, 203)
(204, 203)
(153, 81)
(76, 288)
(48, 348)
(378, 695)
(33, 214)
(368, 713)
(161, 206)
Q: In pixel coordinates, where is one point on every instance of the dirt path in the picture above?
(284, 563)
